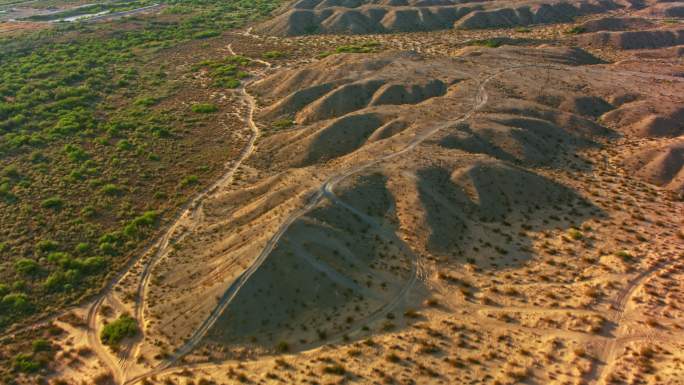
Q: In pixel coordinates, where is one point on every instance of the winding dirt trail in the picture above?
(326, 190)
(608, 354)
(185, 222)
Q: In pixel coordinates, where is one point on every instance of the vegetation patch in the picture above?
(490, 43)
(116, 331)
(204, 108)
(363, 47)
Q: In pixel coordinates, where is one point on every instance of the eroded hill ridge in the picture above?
(500, 203)
(382, 16)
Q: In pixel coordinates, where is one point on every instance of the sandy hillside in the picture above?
(487, 211)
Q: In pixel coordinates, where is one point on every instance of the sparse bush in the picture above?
(24, 363)
(575, 234)
(336, 369)
(282, 347)
(41, 345)
(206, 34)
(576, 30)
(282, 124)
(490, 43)
(113, 333)
(111, 190)
(204, 108)
(27, 266)
(189, 181)
(54, 203)
(47, 246)
(273, 55)
(16, 303)
(392, 357)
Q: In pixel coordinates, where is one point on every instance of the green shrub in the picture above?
(147, 101)
(575, 234)
(148, 219)
(46, 246)
(26, 266)
(62, 280)
(75, 153)
(54, 203)
(189, 180)
(124, 145)
(576, 30)
(16, 303)
(365, 47)
(491, 43)
(41, 345)
(230, 83)
(24, 363)
(115, 332)
(204, 108)
(282, 347)
(624, 255)
(11, 172)
(282, 124)
(111, 190)
(82, 248)
(273, 55)
(205, 34)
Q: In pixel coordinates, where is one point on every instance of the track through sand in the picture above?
(187, 220)
(608, 354)
(326, 190)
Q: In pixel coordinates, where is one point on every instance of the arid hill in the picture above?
(493, 204)
(373, 16)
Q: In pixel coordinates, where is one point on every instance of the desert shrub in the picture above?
(114, 332)
(11, 172)
(26, 266)
(576, 30)
(124, 145)
(282, 347)
(227, 83)
(146, 101)
(189, 181)
(75, 153)
(16, 303)
(624, 255)
(282, 124)
(24, 363)
(46, 245)
(111, 190)
(575, 234)
(364, 47)
(205, 34)
(62, 280)
(82, 247)
(336, 369)
(490, 43)
(146, 220)
(54, 203)
(41, 345)
(204, 108)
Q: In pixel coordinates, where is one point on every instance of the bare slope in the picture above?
(372, 16)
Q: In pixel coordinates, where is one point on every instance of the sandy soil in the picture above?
(448, 215)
